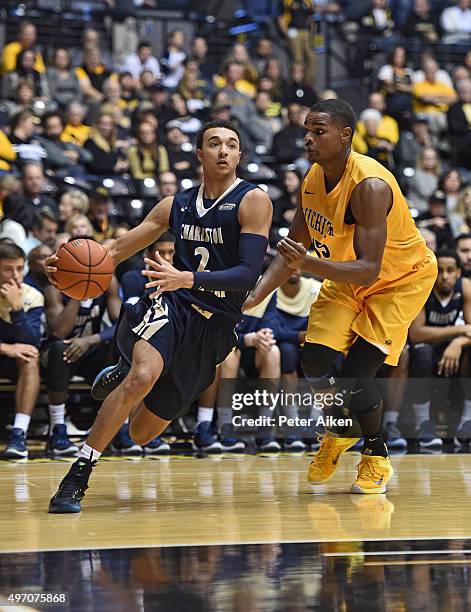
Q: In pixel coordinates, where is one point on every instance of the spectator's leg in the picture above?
(229, 370)
(309, 55)
(26, 393)
(58, 373)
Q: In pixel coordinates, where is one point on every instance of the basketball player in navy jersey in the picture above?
(175, 336)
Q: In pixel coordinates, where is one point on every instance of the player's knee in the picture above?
(140, 380)
(56, 351)
(138, 434)
(31, 367)
(289, 355)
(317, 363)
(230, 365)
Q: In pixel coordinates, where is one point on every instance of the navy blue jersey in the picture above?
(442, 315)
(89, 317)
(207, 236)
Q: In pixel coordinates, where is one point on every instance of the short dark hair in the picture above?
(339, 111)
(449, 253)
(217, 124)
(166, 237)
(11, 251)
(45, 214)
(49, 115)
(464, 236)
(143, 44)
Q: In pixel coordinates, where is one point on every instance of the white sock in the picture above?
(22, 421)
(87, 452)
(56, 414)
(466, 416)
(421, 413)
(390, 416)
(204, 414)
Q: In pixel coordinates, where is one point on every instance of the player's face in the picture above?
(220, 153)
(166, 251)
(12, 269)
(464, 253)
(324, 139)
(448, 274)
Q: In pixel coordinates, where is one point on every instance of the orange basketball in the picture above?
(84, 269)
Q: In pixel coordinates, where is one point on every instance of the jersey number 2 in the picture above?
(204, 254)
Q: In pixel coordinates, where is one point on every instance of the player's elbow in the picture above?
(370, 276)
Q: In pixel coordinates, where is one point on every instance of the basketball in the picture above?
(84, 269)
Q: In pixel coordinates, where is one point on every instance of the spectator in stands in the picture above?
(378, 21)
(295, 22)
(23, 100)
(273, 72)
(168, 184)
(44, 230)
(264, 52)
(436, 219)
(21, 309)
(99, 214)
(64, 86)
(147, 82)
(70, 203)
(238, 53)
(194, 92)
(396, 79)
(460, 219)
(129, 93)
(91, 39)
(297, 89)
(107, 158)
(25, 71)
(143, 59)
(181, 117)
(438, 336)
(293, 304)
(148, 158)
(286, 205)
(112, 100)
(79, 226)
(372, 141)
(173, 59)
(441, 75)
(22, 136)
(122, 125)
(181, 155)
(459, 125)
(430, 238)
(463, 248)
(263, 127)
(388, 128)
(242, 105)
(8, 184)
(26, 40)
(37, 275)
(22, 207)
(288, 144)
(425, 180)
(423, 23)
(75, 130)
(432, 97)
(456, 23)
(199, 52)
(63, 158)
(77, 345)
(92, 74)
(451, 184)
(459, 73)
(411, 143)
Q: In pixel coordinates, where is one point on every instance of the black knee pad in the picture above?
(421, 361)
(365, 396)
(57, 374)
(318, 363)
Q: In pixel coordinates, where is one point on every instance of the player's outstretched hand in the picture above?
(293, 253)
(167, 278)
(51, 268)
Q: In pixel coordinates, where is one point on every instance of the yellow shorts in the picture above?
(381, 313)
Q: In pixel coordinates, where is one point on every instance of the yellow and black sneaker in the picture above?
(325, 461)
(374, 473)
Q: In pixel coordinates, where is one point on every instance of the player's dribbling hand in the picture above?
(167, 278)
(292, 252)
(51, 268)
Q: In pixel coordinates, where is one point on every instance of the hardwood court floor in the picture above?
(188, 501)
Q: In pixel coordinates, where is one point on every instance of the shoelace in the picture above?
(111, 376)
(368, 469)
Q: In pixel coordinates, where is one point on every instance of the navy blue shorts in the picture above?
(190, 344)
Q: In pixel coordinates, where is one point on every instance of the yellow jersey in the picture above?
(331, 223)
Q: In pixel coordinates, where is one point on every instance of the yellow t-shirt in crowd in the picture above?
(424, 88)
(10, 53)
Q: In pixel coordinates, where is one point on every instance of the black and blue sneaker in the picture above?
(157, 446)
(463, 435)
(59, 442)
(16, 447)
(72, 488)
(427, 437)
(205, 439)
(229, 442)
(108, 379)
(123, 443)
(293, 444)
(393, 437)
(268, 444)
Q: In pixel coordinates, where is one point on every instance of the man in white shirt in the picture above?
(456, 23)
(136, 63)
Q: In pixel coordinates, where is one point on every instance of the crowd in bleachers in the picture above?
(88, 144)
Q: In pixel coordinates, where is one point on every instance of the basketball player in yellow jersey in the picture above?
(378, 274)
